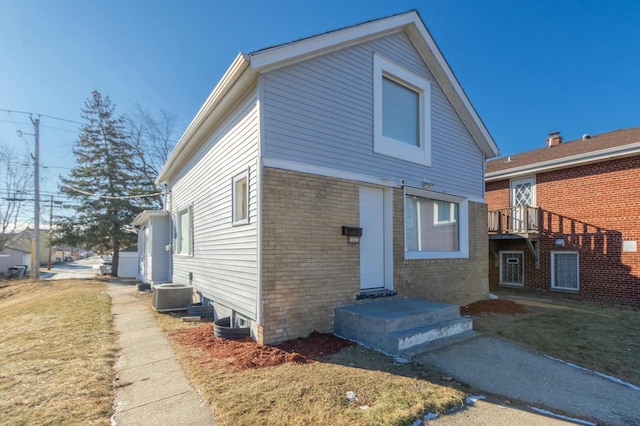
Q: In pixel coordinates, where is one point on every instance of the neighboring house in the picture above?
(128, 263)
(564, 218)
(154, 246)
(363, 129)
(12, 256)
(26, 241)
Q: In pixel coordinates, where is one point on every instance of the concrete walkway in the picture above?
(504, 368)
(152, 388)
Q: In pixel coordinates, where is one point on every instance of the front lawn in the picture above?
(56, 353)
(595, 336)
(234, 381)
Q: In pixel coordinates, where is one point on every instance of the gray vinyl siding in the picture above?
(159, 238)
(320, 112)
(224, 258)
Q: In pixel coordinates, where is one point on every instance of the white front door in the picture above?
(523, 195)
(372, 242)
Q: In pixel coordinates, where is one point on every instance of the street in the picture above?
(79, 269)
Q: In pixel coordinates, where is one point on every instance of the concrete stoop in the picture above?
(401, 326)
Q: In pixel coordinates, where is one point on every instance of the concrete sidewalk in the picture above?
(152, 388)
(504, 368)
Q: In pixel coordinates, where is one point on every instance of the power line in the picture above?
(108, 197)
(41, 115)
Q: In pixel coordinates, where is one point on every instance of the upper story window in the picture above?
(240, 199)
(402, 113)
(184, 221)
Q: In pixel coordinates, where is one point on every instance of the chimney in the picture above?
(554, 139)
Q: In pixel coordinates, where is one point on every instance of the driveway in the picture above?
(80, 269)
(503, 368)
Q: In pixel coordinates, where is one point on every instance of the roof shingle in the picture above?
(612, 139)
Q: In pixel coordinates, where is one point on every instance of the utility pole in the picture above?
(50, 231)
(35, 270)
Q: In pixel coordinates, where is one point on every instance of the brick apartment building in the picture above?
(565, 218)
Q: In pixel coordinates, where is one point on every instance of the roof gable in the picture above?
(411, 23)
(603, 147)
(244, 70)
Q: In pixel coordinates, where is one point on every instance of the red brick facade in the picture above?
(593, 208)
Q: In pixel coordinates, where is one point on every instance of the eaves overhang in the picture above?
(146, 215)
(565, 162)
(236, 81)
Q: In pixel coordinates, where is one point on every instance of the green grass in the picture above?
(602, 338)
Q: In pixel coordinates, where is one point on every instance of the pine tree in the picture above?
(108, 182)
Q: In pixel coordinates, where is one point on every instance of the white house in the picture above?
(360, 130)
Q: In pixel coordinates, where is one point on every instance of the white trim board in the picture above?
(566, 162)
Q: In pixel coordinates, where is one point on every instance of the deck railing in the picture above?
(514, 220)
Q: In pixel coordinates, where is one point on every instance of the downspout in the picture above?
(169, 247)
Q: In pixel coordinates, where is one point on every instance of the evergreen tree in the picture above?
(108, 182)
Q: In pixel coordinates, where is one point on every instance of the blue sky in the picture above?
(528, 67)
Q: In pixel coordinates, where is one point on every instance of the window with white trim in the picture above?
(565, 270)
(184, 232)
(512, 268)
(240, 199)
(435, 225)
(402, 113)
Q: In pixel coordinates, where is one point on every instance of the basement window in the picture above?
(565, 270)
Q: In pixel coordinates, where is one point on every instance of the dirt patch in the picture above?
(498, 306)
(246, 354)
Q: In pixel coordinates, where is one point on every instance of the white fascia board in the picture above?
(279, 56)
(236, 80)
(146, 215)
(431, 55)
(565, 162)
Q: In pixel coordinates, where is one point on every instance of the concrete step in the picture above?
(406, 341)
(397, 314)
(396, 326)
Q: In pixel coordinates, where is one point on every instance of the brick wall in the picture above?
(593, 208)
(307, 266)
(457, 281)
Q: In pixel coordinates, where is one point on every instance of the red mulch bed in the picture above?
(246, 354)
(498, 306)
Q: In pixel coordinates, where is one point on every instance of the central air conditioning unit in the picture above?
(172, 297)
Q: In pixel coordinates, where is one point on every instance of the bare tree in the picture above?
(15, 177)
(153, 138)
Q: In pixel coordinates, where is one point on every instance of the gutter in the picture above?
(234, 82)
(566, 162)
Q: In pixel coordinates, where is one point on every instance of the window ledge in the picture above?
(511, 285)
(565, 290)
(415, 255)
